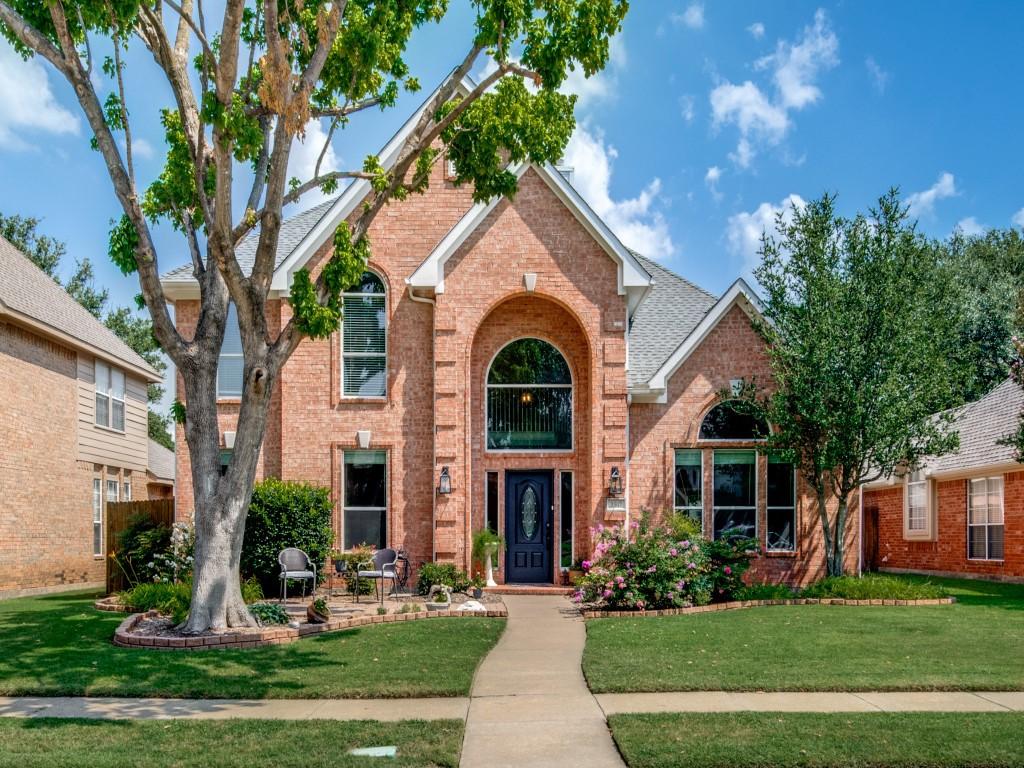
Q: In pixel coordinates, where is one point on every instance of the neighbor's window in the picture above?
(781, 512)
(728, 421)
(529, 398)
(109, 397)
(126, 490)
(111, 490)
(364, 339)
(734, 495)
(566, 511)
(365, 498)
(689, 498)
(97, 517)
(985, 519)
(230, 364)
(917, 502)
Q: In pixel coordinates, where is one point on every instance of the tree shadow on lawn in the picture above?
(60, 645)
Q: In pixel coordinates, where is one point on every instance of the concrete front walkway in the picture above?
(530, 705)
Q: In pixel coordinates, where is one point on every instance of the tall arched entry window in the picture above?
(364, 347)
(529, 398)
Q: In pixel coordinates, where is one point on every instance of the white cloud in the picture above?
(970, 226)
(692, 17)
(711, 178)
(29, 105)
(744, 230)
(878, 75)
(302, 162)
(923, 203)
(795, 69)
(1018, 218)
(142, 148)
(636, 221)
(686, 104)
(756, 30)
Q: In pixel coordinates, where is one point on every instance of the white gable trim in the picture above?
(739, 294)
(633, 279)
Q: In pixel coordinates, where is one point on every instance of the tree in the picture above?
(859, 331)
(259, 79)
(1016, 439)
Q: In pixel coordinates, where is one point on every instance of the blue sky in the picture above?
(709, 119)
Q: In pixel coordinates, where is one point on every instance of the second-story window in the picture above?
(364, 364)
(109, 397)
(230, 364)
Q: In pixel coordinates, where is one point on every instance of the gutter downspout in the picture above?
(433, 427)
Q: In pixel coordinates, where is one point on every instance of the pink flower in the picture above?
(606, 594)
(640, 604)
(674, 552)
(691, 566)
(586, 565)
(728, 570)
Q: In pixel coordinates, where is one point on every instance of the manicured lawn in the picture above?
(972, 645)
(869, 740)
(61, 645)
(227, 743)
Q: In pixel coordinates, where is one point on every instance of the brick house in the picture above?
(73, 432)
(512, 365)
(961, 514)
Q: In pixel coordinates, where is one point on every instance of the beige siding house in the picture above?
(73, 432)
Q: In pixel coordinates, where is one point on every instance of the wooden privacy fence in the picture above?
(160, 511)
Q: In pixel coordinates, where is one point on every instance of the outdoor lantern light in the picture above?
(615, 482)
(526, 398)
(444, 483)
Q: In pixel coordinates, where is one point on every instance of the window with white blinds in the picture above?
(917, 502)
(364, 339)
(110, 387)
(97, 517)
(985, 518)
(230, 364)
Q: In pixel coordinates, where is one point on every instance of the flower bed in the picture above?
(731, 606)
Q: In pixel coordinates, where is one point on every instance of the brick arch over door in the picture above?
(533, 316)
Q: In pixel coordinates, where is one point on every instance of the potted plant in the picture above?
(478, 585)
(318, 612)
(576, 572)
(440, 598)
(485, 548)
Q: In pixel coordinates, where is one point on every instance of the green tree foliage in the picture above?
(860, 333)
(1017, 371)
(45, 252)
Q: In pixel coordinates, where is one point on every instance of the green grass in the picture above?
(226, 744)
(865, 740)
(874, 586)
(974, 644)
(61, 646)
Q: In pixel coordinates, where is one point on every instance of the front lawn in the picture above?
(974, 644)
(28, 743)
(863, 740)
(61, 646)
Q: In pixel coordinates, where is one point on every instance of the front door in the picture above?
(528, 535)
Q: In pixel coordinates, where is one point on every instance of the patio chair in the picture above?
(295, 564)
(381, 567)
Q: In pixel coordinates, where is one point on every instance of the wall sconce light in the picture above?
(615, 482)
(444, 483)
(526, 398)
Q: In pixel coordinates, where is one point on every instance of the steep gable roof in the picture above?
(31, 296)
(981, 425)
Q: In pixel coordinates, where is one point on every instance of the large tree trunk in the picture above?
(837, 555)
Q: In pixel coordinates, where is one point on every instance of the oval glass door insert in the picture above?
(528, 513)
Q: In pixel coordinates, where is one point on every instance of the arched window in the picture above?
(728, 422)
(529, 398)
(364, 359)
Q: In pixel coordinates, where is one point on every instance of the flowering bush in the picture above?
(648, 570)
(729, 557)
(174, 563)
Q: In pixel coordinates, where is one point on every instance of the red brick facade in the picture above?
(439, 352)
(946, 552)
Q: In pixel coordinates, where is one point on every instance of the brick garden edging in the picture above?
(275, 635)
(591, 614)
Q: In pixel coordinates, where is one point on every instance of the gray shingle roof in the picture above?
(28, 291)
(982, 424)
(292, 232)
(669, 312)
(161, 461)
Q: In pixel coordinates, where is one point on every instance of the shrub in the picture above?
(764, 592)
(138, 546)
(873, 587)
(285, 515)
(730, 557)
(174, 598)
(445, 574)
(269, 613)
(682, 527)
(651, 570)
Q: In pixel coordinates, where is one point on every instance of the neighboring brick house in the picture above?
(516, 354)
(960, 514)
(73, 431)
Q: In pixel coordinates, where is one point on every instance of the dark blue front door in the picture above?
(528, 527)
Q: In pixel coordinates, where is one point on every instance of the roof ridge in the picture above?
(658, 265)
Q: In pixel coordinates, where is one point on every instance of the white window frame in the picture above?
(126, 490)
(97, 517)
(387, 496)
(757, 490)
(113, 482)
(384, 354)
(688, 509)
(768, 508)
(221, 395)
(988, 523)
(924, 529)
(571, 386)
(110, 396)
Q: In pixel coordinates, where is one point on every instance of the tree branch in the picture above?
(186, 22)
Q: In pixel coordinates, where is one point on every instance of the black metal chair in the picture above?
(381, 567)
(295, 564)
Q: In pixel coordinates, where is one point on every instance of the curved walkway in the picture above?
(530, 705)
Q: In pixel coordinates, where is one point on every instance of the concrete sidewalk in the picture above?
(530, 705)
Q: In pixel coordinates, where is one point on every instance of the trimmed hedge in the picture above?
(285, 515)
